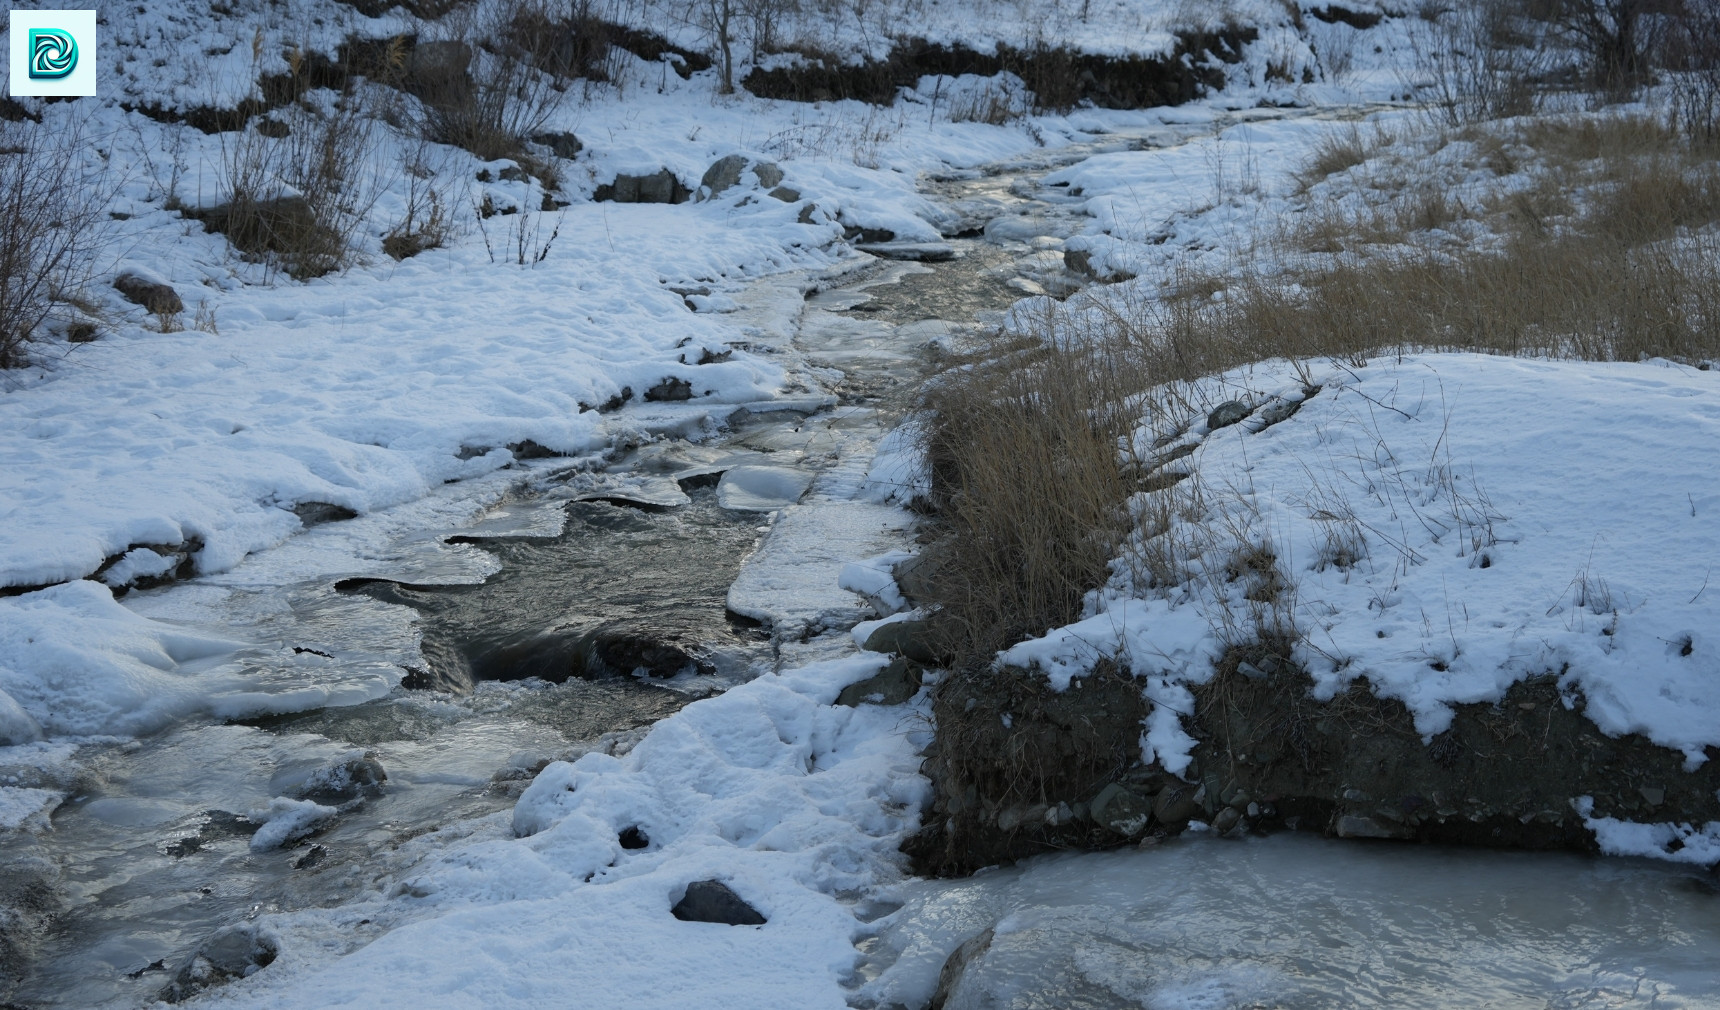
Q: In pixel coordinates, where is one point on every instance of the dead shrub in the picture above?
(49, 229)
(306, 227)
(1023, 451)
(481, 83)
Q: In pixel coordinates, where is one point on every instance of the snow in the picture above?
(874, 581)
(285, 820)
(1451, 524)
(791, 800)
(80, 664)
(1678, 843)
(20, 806)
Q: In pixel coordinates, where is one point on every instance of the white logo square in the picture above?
(53, 53)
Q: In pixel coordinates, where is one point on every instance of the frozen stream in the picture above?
(576, 604)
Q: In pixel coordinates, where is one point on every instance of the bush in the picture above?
(323, 158)
(49, 228)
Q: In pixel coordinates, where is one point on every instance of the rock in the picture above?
(634, 838)
(892, 685)
(786, 194)
(912, 639)
(1121, 810)
(1226, 819)
(670, 388)
(1078, 261)
(237, 951)
(314, 513)
(562, 145)
(769, 175)
(808, 214)
(160, 299)
(658, 187)
(725, 174)
(1653, 795)
(916, 577)
(714, 901)
(1226, 414)
(311, 857)
(437, 71)
(1355, 826)
(955, 967)
(346, 779)
(1175, 805)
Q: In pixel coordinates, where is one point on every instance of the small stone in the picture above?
(312, 856)
(714, 901)
(634, 837)
(1225, 820)
(1226, 414)
(562, 145)
(1653, 794)
(1352, 826)
(786, 194)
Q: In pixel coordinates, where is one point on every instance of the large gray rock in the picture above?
(1226, 414)
(892, 685)
(437, 71)
(562, 145)
(160, 299)
(725, 174)
(714, 901)
(658, 187)
(912, 639)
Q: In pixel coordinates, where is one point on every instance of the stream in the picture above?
(580, 604)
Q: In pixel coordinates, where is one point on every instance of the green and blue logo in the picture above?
(53, 54)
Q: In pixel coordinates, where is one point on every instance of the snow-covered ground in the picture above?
(394, 390)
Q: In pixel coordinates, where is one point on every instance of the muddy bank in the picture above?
(1020, 769)
(1058, 76)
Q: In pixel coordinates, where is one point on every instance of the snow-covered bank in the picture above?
(797, 804)
(1452, 597)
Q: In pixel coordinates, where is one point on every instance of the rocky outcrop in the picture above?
(1019, 768)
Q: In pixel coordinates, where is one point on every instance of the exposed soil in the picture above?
(1269, 757)
(1059, 77)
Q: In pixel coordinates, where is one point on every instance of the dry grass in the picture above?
(1608, 254)
(1025, 477)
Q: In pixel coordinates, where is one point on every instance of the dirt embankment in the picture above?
(1021, 769)
(1059, 77)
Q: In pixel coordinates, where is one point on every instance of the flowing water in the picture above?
(589, 601)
